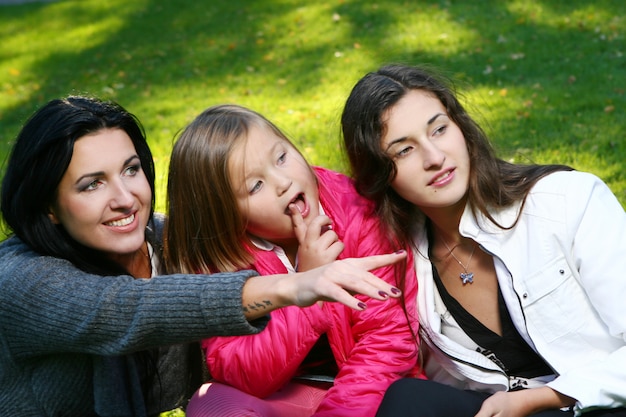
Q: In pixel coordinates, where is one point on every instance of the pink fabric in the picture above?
(372, 348)
(217, 400)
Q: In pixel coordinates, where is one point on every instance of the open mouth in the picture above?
(121, 222)
(299, 203)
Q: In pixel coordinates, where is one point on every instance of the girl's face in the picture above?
(268, 174)
(429, 151)
(104, 199)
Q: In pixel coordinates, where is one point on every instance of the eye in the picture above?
(404, 151)
(440, 130)
(93, 185)
(132, 170)
(256, 187)
(282, 158)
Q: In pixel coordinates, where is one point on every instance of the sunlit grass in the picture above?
(546, 78)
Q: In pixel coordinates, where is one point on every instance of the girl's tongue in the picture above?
(301, 205)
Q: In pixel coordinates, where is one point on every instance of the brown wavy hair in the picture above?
(494, 183)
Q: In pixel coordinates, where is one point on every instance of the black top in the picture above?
(319, 362)
(509, 351)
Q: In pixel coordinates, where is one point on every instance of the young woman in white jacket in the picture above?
(520, 267)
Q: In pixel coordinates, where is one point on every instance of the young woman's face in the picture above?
(104, 199)
(268, 174)
(429, 151)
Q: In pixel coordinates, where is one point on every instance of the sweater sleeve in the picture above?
(47, 305)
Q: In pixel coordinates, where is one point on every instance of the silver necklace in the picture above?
(466, 276)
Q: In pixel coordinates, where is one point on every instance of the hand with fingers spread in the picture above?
(336, 281)
(318, 242)
(339, 280)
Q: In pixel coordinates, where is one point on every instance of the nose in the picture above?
(433, 157)
(121, 195)
(282, 181)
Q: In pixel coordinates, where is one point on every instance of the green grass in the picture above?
(174, 413)
(546, 78)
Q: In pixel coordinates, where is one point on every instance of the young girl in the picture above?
(257, 203)
(520, 268)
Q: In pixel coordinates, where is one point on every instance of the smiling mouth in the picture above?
(441, 177)
(122, 222)
(298, 202)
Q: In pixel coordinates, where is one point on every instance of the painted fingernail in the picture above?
(383, 294)
(362, 306)
(395, 291)
(399, 251)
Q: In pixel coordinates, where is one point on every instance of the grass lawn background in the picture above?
(547, 79)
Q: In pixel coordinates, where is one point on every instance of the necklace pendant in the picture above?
(467, 277)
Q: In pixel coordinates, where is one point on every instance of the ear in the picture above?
(53, 217)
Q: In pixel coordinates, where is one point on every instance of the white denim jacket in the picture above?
(562, 272)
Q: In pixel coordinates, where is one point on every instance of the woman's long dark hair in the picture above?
(39, 158)
(41, 155)
(494, 183)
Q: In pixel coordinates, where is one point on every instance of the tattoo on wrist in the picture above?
(256, 306)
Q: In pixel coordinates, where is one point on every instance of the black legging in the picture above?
(412, 397)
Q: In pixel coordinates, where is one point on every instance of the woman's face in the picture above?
(429, 151)
(268, 174)
(104, 199)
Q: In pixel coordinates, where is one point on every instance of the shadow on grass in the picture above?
(541, 73)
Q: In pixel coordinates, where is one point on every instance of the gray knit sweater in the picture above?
(74, 344)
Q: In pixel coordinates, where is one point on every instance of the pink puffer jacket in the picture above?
(372, 348)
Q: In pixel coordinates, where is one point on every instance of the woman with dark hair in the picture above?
(520, 267)
(87, 325)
